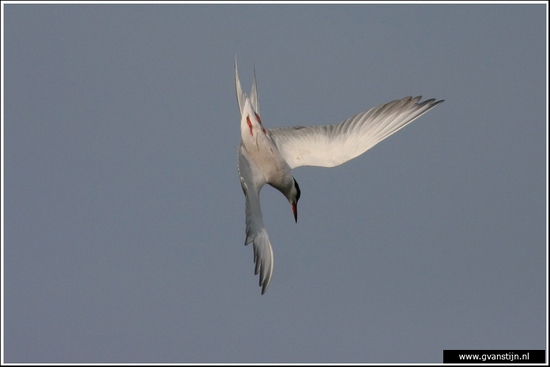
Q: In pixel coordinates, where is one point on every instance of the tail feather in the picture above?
(240, 95)
(254, 95)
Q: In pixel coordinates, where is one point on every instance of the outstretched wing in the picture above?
(332, 145)
(252, 181)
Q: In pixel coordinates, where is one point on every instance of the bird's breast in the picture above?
(268, 158)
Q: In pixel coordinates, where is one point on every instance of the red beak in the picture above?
(295, 211)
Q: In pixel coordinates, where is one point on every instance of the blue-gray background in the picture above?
(124, 215)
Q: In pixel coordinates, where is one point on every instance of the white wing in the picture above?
(252, 181)
(332, 145)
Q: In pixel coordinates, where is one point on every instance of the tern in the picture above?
(266, 156)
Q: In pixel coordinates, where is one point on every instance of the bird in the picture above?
(266, 156)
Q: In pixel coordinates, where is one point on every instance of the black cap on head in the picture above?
(295, 202)
(297, 189)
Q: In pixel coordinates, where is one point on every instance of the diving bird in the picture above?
(266, 156)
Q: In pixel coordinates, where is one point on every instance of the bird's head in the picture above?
(293, 198)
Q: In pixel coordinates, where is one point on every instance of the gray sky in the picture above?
(124, 215)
